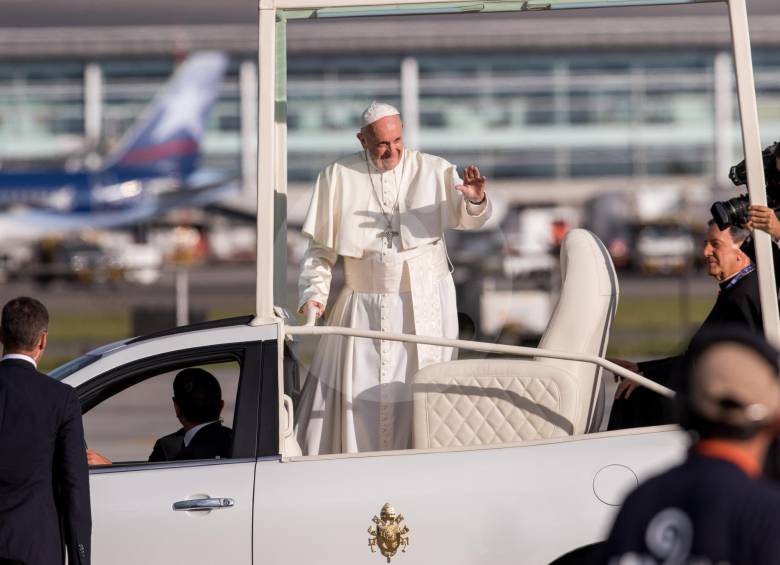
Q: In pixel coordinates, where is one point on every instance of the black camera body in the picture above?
(734, 211)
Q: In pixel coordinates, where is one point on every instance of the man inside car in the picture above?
(197, 401)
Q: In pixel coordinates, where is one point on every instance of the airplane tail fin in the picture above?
(166, 139)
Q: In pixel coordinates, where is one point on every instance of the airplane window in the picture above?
(126, 427)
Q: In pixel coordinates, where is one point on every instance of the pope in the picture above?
(384, 210)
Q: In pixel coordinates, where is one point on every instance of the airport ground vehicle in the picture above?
(664, 248)
(76, 260)
(519, 500)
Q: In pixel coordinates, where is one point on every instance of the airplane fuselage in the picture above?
(79, 191)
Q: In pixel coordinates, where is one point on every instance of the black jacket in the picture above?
(214, 440)
(706, 510)
(44, 479)
(738, 304)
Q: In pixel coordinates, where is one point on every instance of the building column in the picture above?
(410, 102)
(723, 84)
(93, 106)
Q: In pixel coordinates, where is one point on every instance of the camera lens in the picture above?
(732, 212)
(720, 214)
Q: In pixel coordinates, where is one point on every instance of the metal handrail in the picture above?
(311, 330)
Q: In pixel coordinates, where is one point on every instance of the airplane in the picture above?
(153, 169)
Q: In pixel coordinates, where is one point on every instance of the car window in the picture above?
(126, 426)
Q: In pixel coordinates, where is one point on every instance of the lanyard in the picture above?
(738, 277)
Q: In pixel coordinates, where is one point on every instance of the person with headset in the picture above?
(714, 507)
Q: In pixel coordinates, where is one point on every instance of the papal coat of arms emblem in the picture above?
(388, 533)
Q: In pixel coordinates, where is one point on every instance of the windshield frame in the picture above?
(271, 258)
(67, 369)
(74, 365)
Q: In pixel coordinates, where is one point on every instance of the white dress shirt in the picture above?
(19, 356)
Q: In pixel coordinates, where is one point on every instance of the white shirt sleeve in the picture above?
(316, 274)
(476, 209)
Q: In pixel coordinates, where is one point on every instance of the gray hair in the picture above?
(738, 234)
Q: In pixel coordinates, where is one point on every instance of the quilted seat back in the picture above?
(479, 402)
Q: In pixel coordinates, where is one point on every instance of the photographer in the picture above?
(738, 211)
(763, 217)
(730, 258)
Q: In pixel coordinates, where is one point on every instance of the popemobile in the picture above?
(507, 464)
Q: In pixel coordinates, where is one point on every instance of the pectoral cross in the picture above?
(388, 235)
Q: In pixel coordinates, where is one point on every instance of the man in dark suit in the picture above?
(197, 400)
(737, 304)
(44, 480)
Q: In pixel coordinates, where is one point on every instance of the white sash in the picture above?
(419, 274)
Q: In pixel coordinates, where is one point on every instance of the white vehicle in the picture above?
(507, 457)
(664, 248)
(531, 241)
(508, 465)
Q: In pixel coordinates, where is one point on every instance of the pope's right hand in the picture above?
(313, 304)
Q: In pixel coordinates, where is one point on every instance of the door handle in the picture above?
(204, 504)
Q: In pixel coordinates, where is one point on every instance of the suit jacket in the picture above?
(214, 440)
(738, 304)
(44, 479)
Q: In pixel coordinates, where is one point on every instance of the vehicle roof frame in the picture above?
(272, 126)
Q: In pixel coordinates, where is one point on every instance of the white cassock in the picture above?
(357, 396)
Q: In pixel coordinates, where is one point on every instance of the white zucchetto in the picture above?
(377, 111)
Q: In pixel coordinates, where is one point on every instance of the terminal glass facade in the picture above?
(540, 115)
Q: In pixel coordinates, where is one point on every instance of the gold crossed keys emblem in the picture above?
(388, 533)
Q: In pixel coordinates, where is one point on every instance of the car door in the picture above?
(194, 512)
(524, 502)
(520, 504)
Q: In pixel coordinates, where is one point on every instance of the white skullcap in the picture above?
(377, 111)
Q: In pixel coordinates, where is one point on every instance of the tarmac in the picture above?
(231, 287)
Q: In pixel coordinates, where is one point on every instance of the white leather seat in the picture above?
(290, 446)
(582, 318)
(475, 402)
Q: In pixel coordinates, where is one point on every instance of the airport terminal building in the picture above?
(569, 98)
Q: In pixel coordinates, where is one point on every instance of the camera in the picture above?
(734, 211)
